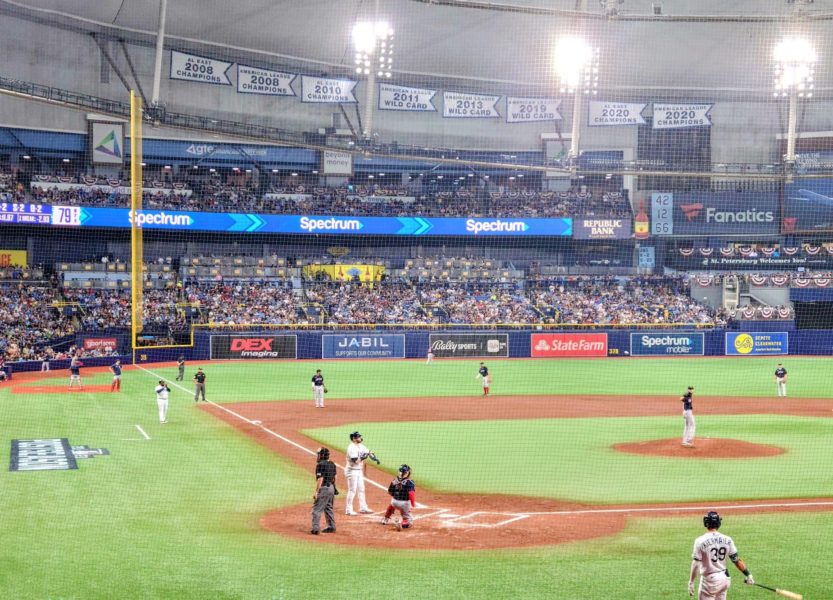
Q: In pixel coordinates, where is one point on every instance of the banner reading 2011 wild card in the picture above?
(397, 97)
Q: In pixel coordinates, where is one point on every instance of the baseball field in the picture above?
(568, 481)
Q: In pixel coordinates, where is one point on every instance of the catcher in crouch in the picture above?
(403, 498)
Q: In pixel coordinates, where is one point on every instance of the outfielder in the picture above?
(403, 498)
(688, 417)
(709, 558)
(115, 369)
(781, 380)
(318, 389)
(357, 454)
(180, 365)
(430, 358)
(162, 391)
(483, 373)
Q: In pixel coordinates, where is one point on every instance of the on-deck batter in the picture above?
(357, 454)
(709, 558)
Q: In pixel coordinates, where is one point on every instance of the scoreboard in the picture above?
(25, 214)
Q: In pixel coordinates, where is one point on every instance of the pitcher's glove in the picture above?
(326, 390)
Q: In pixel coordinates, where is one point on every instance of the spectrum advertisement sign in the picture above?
(757, 344)
(667, 344)
(253, 347)
(363, 346)
(558, 345)
(76, 216)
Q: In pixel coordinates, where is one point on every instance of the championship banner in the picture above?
(556, 345)
(397, 97)
(679, 116)
(757, 344)
(596, 228)
(13, 258)
(107, 143)
(527, 110)
(253, 347)
(605, 114)
(469, 345)
(664, 344)
(252, 80)
(363, 346)
(457, 105)
(191, 67)
(336, 163)
(320, 89)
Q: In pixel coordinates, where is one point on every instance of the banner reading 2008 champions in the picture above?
(253, 80)
(199, 69)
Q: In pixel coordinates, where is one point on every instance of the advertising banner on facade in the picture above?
(108, 345)
(253, 347)
(757, 344)
(667, 344)
(107, 143)
(600, 228)
(558, 345)
(365, 345)
(469, 345)
(721, 213)
(13, 258)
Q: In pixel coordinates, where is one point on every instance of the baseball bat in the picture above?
(784, 593)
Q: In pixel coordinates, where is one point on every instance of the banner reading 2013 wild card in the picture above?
(457, 105)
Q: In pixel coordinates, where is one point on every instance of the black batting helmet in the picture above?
(712, 520)
(355, 435)
(323, 454)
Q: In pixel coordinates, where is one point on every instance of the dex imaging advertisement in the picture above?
(253, 347)
(363, 346)
(469, 345)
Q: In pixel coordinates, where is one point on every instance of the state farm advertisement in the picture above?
(557, 345)
(253, 347)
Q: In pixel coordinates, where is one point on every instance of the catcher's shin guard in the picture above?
(389, 511)
(406, 524)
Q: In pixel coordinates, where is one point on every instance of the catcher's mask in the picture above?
(323, 454)
(355, 435)
(404, 471)
(712, 520)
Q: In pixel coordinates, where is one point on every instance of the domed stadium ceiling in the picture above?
(689, 45)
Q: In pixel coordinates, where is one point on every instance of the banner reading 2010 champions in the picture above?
(325, 90)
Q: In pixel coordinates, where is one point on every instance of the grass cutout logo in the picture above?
(109, 145)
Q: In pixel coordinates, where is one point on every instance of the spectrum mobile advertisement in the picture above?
(667, 344)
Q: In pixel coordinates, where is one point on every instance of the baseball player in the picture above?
(162, 391)
(199, 385)
(180, 365)
(709, 558)
(430, 357)
(115, 369)
(688, 417)
(318, 389)
(483, 373)
(357, 454)
(324, 495)
(403, 498)
(75, 365)
(781, 380)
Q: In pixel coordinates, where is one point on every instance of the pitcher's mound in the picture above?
(702, 448)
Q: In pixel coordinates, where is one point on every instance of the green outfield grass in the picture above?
(178, 516)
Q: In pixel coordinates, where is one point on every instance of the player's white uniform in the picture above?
(356, 455)
(430, 357)
(711, 551)
(781, 381)
(162, 402)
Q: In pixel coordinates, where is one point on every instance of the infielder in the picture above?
(403, 498)
(781, 380)
(162, 391)
(483, 373)
(430, 357)
(709, 558)
(688, 417)
(115, 369)
(318, 389)
(357, 454)
(75, 372)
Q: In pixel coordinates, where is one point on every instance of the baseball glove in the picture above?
(326, 390)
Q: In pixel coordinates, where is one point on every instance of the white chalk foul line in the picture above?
(668, 509)
(142, 431)
(267, 430)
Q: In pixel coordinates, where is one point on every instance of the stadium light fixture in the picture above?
(577, 65)
(795, 64)
(373, 39)
(27, 157)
